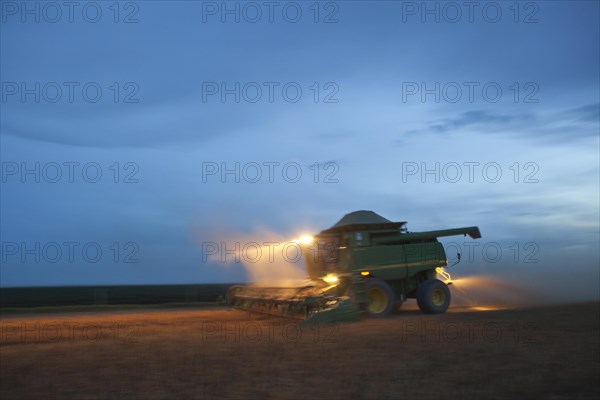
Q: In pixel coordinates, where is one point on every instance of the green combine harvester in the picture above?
(364, 264)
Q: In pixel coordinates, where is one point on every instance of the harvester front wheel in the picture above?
(433, 297)
(380, 298)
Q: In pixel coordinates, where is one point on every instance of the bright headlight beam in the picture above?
(304, 239)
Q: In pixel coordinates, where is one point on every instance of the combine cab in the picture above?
(363, 264)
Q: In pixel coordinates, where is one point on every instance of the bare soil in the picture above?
(550, 352)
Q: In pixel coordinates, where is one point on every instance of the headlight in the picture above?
(304, 239)
(331, 279)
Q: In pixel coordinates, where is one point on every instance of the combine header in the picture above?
(363, 264)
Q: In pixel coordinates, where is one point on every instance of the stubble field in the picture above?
(547, 352)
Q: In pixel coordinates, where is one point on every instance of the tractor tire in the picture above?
(380, 298)
(433, 297)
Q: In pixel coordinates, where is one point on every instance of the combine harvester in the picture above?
(364, 264)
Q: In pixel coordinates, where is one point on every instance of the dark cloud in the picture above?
(574, 123)
(479, 117)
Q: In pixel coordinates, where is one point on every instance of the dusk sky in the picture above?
(502, 98)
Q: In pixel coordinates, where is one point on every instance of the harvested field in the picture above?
(547, 352)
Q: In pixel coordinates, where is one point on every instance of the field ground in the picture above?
(550, 352)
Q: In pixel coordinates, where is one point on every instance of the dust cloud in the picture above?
(550, 284)
(478, 291)
(269, 259)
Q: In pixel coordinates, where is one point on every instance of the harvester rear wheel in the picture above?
(433, 297)
(380, 298)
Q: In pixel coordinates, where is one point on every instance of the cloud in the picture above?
(478, 117)
(553, 125)
(588, 113)
(139, 127)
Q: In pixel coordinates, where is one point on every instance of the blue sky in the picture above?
(370, 63)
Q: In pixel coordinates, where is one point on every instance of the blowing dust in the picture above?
(484, 292)
(269, 259)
